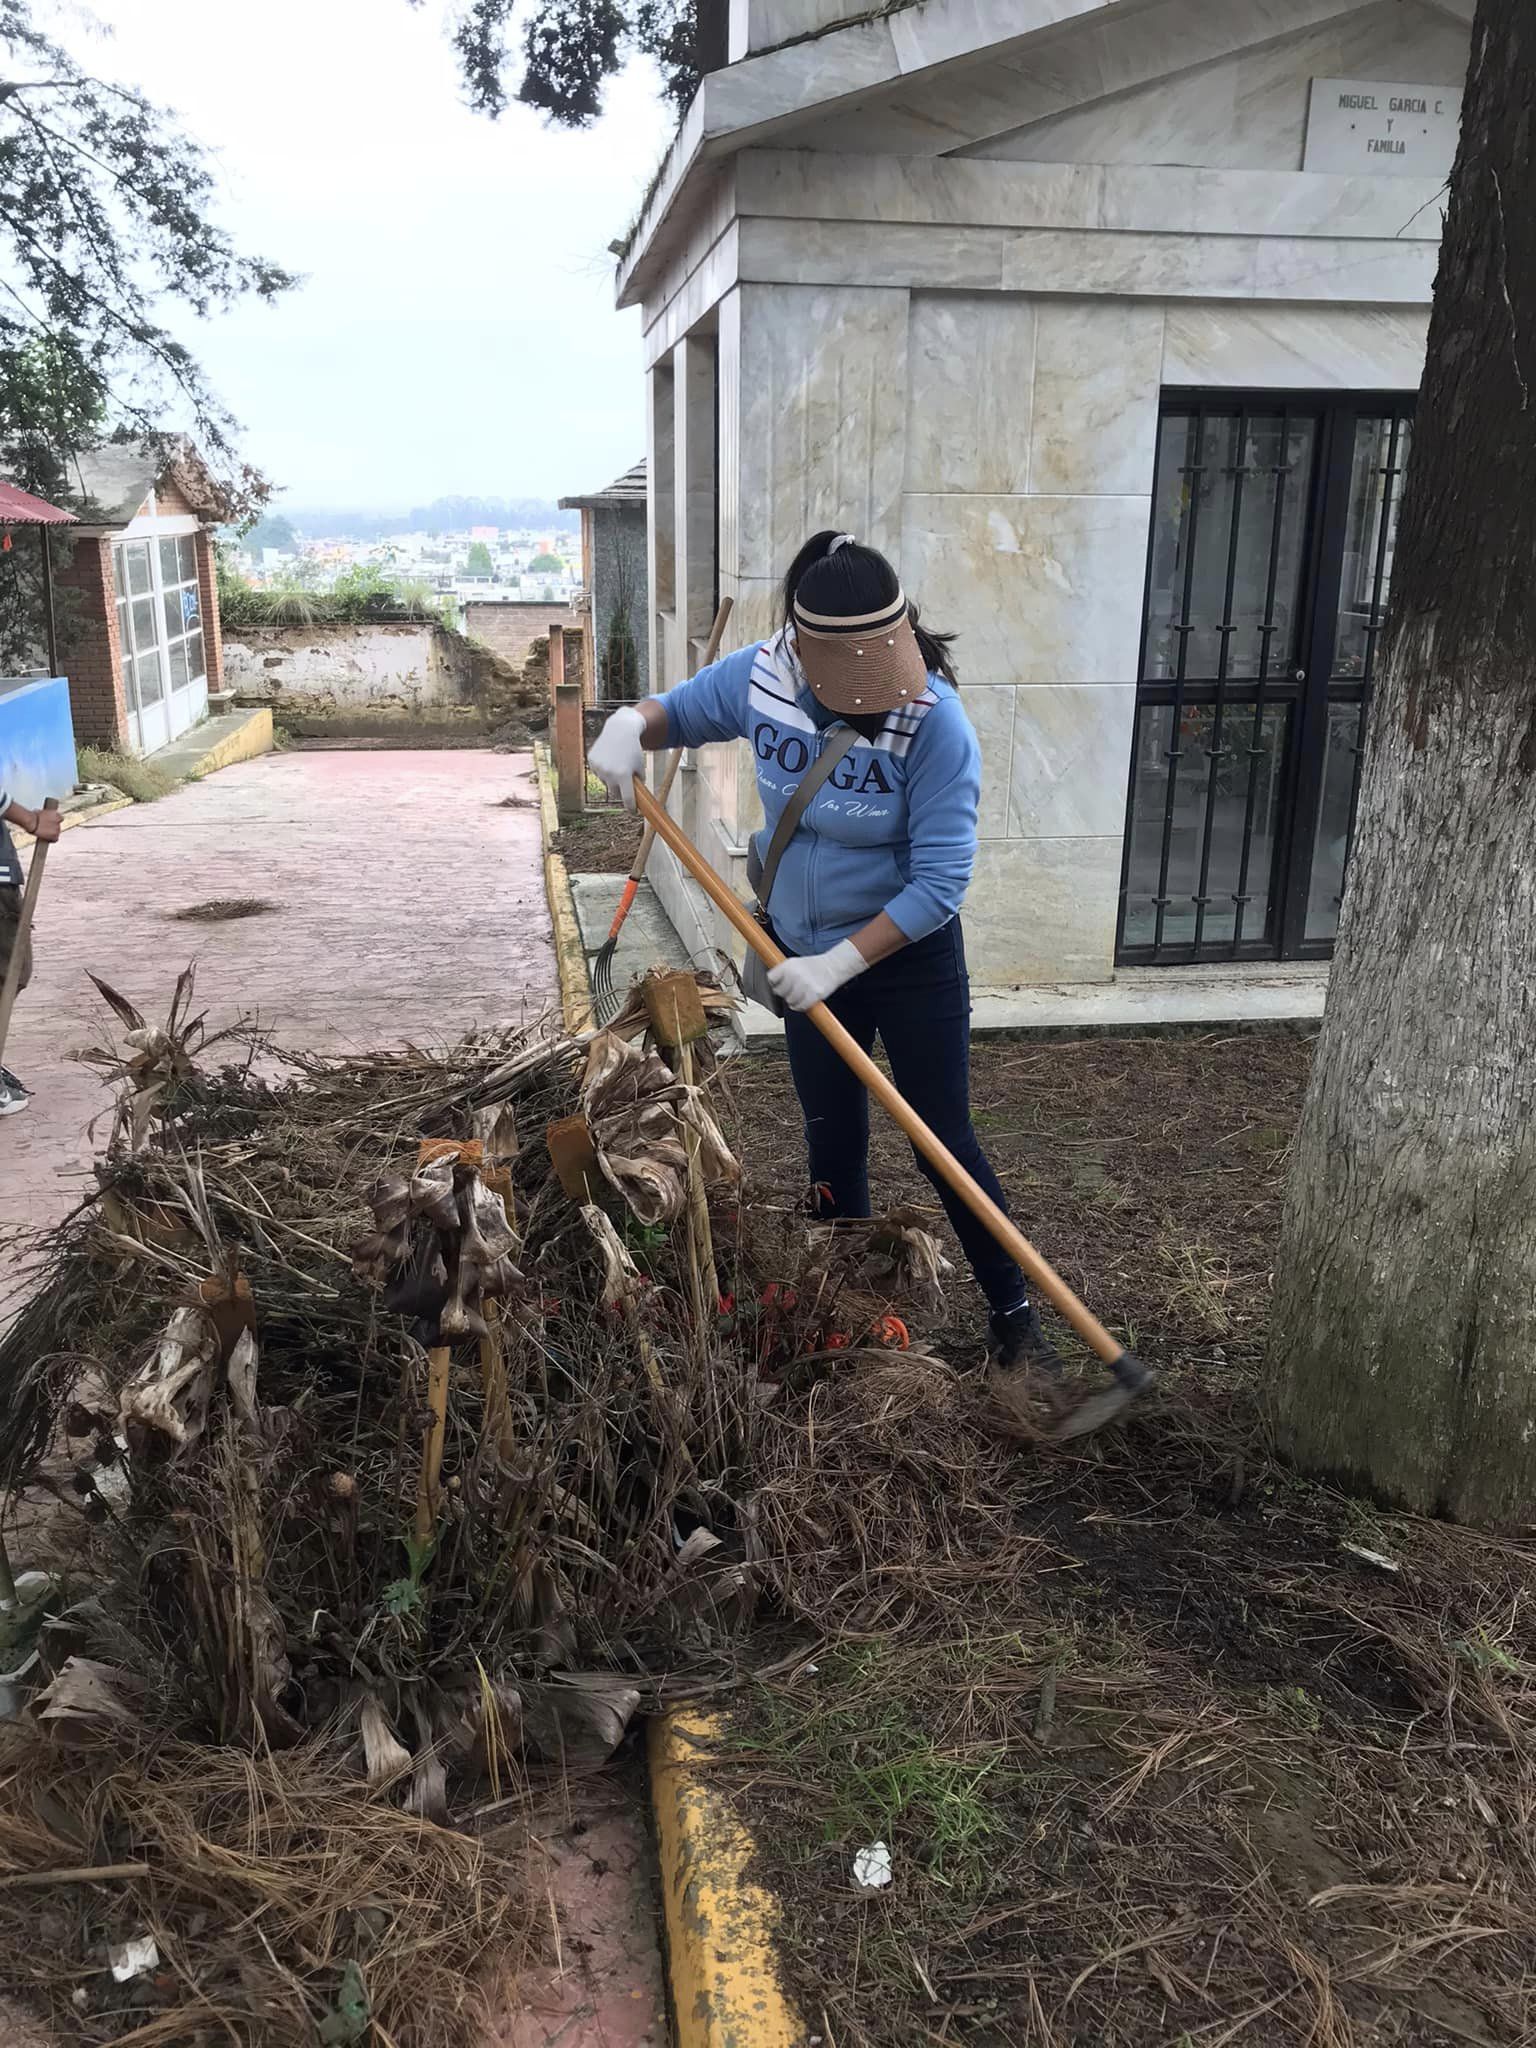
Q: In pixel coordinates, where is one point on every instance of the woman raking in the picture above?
(857, 700)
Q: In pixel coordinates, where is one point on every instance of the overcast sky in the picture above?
(455, 331)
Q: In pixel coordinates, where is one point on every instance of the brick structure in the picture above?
(158, 513)
(89, 643)
(510, 626)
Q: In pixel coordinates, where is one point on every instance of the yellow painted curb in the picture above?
(726, 1991)
(70, 819)
(570, 951)
(246, 743)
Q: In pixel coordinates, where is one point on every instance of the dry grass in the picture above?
(137, 778)
(1161, 1758)
(275, 1889)
(224, 910)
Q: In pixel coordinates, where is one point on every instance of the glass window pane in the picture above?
(178, 664)
(1346, 736)
(151, 684)
(191, 605)
(174, 625)
(123, 628)
(1245, 801)
(136, 578)
(169, 573)
(195, 656)
(1370, 539)
(144, 633)
(130, 685)
(186, 558)
(1229, 522)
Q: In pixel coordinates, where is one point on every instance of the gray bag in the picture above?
(762, 873)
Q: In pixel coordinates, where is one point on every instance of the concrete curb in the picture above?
(570, 952)
(68, 820)
(248, 743)
(726, 1991)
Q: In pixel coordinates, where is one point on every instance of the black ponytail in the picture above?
(857, 579)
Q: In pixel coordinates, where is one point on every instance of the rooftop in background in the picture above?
(20, 508)
(628, 489)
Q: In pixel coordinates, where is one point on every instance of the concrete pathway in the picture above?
(407, 904)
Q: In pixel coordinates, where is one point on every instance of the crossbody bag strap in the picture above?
(795, 809)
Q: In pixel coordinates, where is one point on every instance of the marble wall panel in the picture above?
(1042, 590)
(1167, 199)
(971, 371)
(823, 419)
(1071, 758)
(1282, 347)
(989, 707)
(1248, 109)
(1098, 373)
(1043, 910)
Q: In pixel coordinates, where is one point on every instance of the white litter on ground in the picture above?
(132, 1958)
(872, 1867)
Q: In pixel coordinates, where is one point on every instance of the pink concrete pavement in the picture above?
(409, 906)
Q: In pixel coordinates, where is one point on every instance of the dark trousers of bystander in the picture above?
(10, 931)
(918, 1004)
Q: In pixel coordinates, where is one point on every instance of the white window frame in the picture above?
(180, 704)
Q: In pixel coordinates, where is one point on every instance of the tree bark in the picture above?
(1404, 1340)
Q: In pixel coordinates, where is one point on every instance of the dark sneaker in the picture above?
(13, 1097)
(1019, 1344)
(1025, 1372)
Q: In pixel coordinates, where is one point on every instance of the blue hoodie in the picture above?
(893, 827)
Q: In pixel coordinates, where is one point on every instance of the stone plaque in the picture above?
(1362, 125)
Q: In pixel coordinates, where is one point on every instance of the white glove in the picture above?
(802, 982)
(617, 756)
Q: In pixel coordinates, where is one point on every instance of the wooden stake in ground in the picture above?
(677, 1018)
(439, 1368)
(493, 1363)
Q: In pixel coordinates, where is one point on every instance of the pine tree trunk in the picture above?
(1404, 1342)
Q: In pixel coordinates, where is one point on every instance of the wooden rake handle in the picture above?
(12, 988)
(1041, 1274)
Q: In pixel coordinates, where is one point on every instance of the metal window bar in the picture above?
(1194, 471)
(1242, 896)
(1215, 750)
(1389, 476)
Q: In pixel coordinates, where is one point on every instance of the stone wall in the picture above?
(510, 628)
(384, 675)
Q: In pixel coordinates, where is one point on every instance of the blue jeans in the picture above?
(918, 1004)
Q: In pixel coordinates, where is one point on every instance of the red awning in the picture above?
(20, 508)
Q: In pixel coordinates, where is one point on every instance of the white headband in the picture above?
(842, 540)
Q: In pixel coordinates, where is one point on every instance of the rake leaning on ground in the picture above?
(605, 998)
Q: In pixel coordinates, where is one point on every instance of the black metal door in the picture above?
(1273, 517)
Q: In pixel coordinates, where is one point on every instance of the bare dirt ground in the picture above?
(1169, 1744)
(599, 842)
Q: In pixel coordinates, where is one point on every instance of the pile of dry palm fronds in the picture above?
(358, 1420)
(376, 1457)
